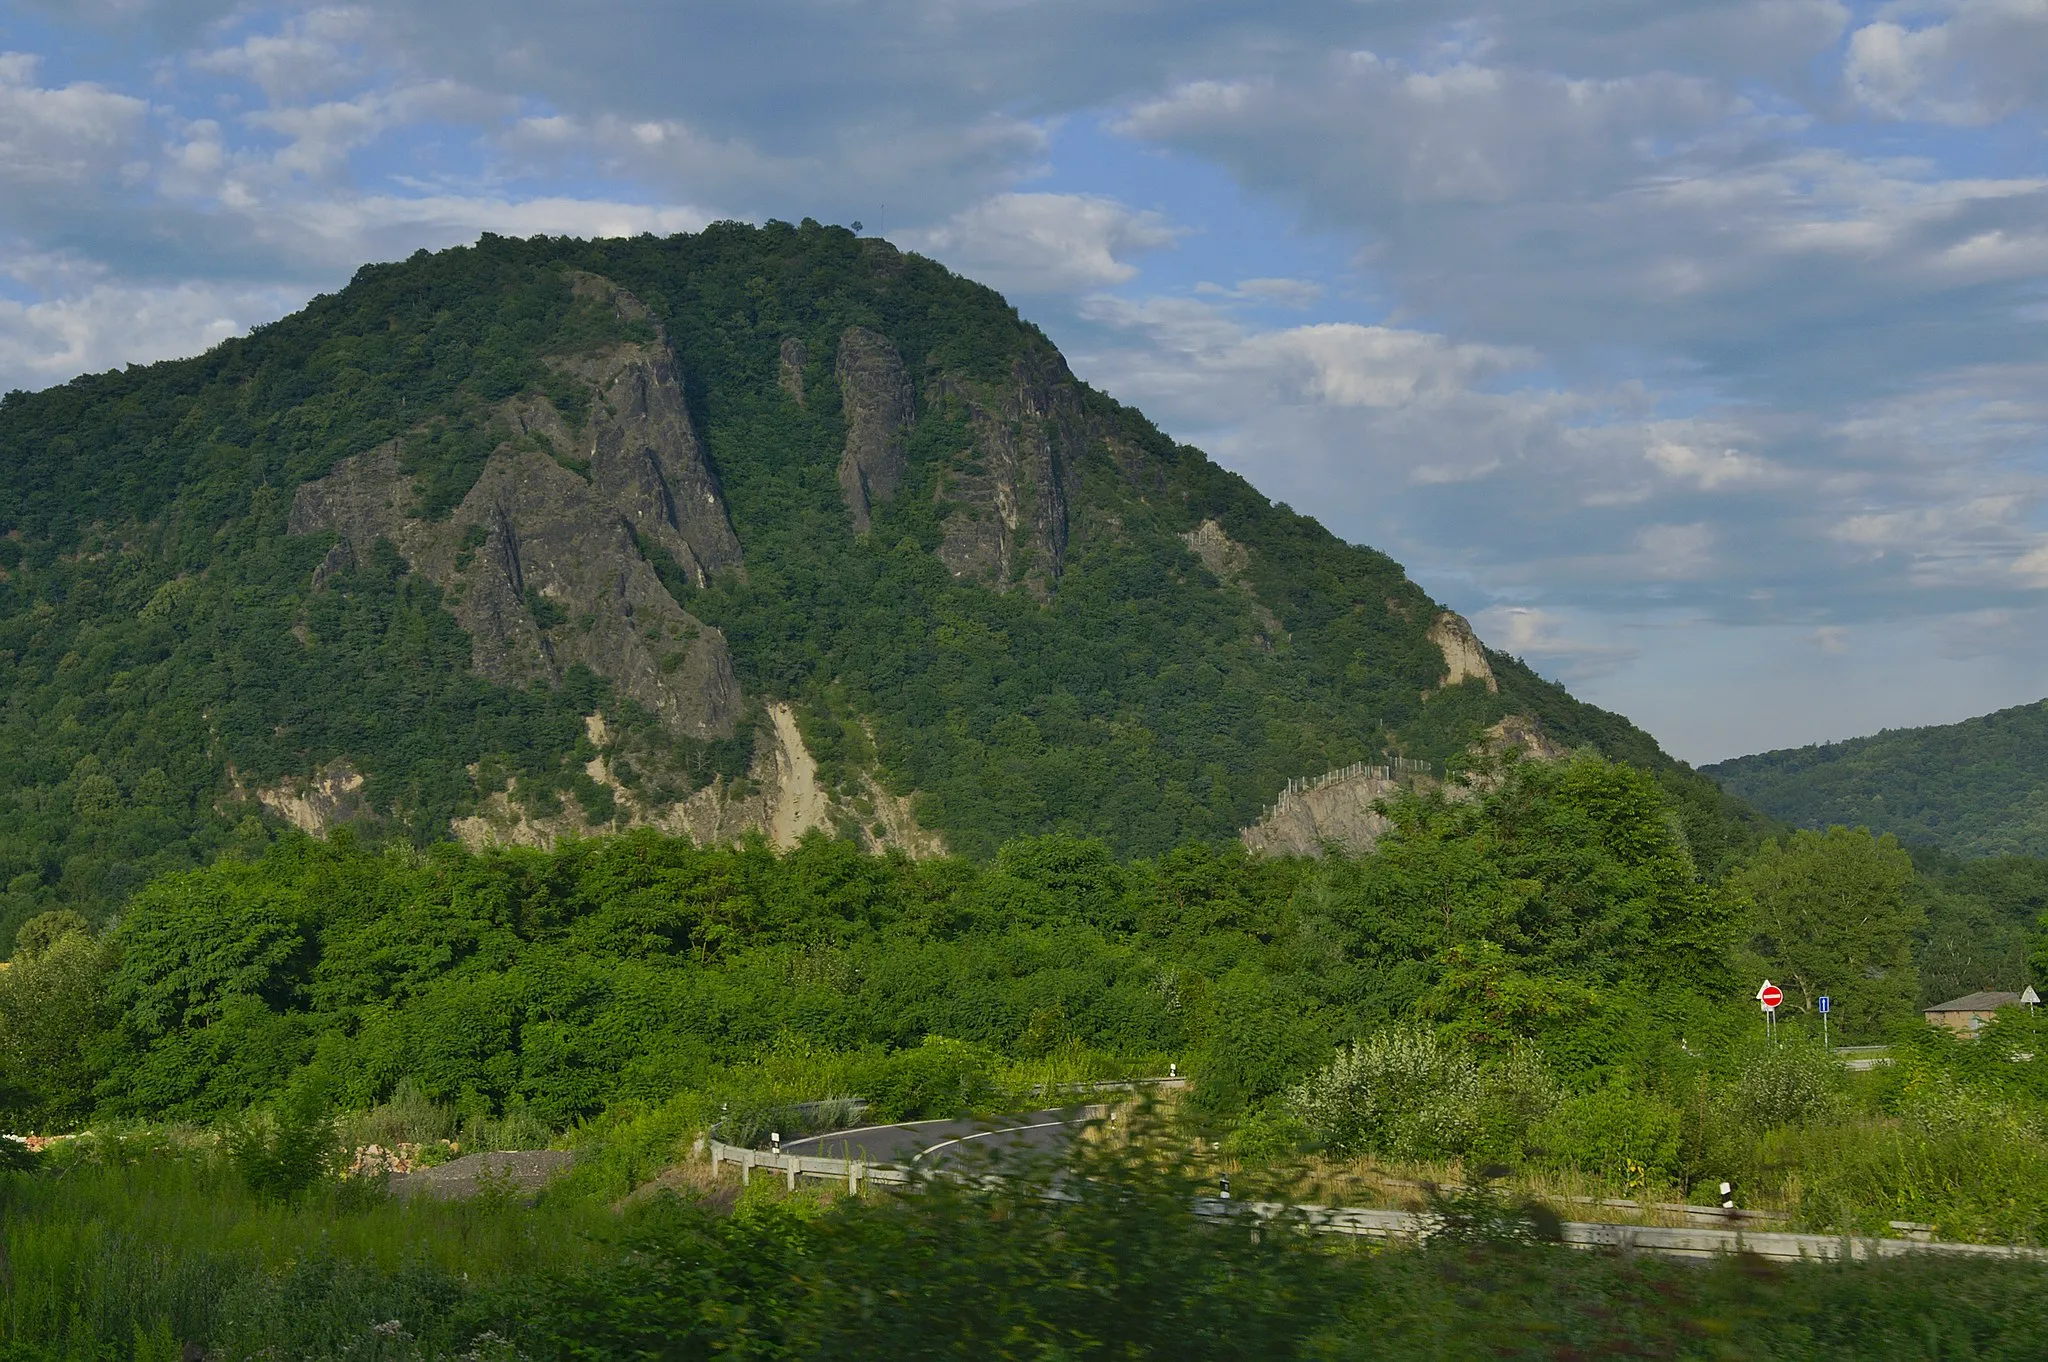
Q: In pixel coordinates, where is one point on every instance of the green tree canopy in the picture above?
(1827, 912)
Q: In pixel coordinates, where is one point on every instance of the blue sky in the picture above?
(1697, 351)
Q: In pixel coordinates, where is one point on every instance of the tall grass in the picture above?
(124, 1251)
(135, 1250)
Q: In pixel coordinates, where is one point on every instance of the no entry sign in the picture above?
(1770, 995)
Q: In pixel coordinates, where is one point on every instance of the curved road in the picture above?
(933, 1144)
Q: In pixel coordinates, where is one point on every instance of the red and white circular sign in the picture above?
(1770, 995)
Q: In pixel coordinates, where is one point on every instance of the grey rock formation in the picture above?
(543, 567)
(1010, 494)
(1334, 810)
(880, 408)
(1338, 809)
(644, 454)
(789, 375)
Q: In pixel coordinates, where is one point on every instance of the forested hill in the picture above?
(553, 536)
(1977, 788)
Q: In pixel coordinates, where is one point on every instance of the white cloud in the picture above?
(68, 133)
(1963, 62)
(1039, 243)
(1295, 294)
(310, 54)
(1675, 551)
(1707, 468)
(2031, 567)
(101, 325)
(1550, 642)
(1832, 639)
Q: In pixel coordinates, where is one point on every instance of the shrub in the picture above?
(1786, 1085)
(1268, 1135)
(1973, 1167)
(1611, 1131)
(940, 1077)
(283, 1151)
(1401, 1092)
(1515, 1092)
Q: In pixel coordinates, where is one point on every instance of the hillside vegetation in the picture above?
(538, 529)
(1533, 973)
(1977, 788)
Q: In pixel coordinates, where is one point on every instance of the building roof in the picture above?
(1976, 1002)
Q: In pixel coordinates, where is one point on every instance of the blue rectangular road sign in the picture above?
(1823, 1004)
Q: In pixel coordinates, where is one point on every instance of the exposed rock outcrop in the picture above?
(319, 803)
(542, 565)
(1522, 733)
(1464, 656)
(880, 408)
(1336, 809)
(645, 458)
(1010, 493)
(541, 568)
(781, 798)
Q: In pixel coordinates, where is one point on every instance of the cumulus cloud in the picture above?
(2031, 567)
(1294, 294)
(94, 324)
(1962, 62)
(309, 55)
(63, 134)
(1037, 243)
(1551, 642)
(1656, 211)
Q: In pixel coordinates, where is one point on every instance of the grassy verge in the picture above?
(142, 1247)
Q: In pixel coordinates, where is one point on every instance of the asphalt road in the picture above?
(934, 1144)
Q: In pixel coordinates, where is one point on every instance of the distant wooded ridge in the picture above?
(1976, 788)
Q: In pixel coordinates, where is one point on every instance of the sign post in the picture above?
(1824, 1022)
(1768, 997)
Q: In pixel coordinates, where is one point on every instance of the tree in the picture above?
(49, 1019)
(1828, 913)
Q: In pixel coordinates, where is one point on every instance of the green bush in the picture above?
(1403, 1093)
(282, 1152)
(939, 1077)
(1796, 1083)
(1612, 1131)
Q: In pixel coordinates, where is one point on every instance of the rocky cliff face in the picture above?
(1011, 491)
(789, 369)
(1334, 810)
(880, 408)
(1464, 656)
(645, 458)
(1340, 808)
(542, 563)
(1228, 561)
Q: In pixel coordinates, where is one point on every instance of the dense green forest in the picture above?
(1529, 979)
(1975, 788)
(165, 650)
(638, 966)
(1540, 957)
